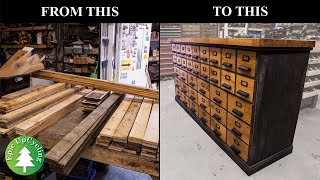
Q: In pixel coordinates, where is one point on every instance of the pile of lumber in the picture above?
(133, 128)
(93, 100)
(22, 62)
(66, 153)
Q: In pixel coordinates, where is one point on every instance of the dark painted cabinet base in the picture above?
(246, 168)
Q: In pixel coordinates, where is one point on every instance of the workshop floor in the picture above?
(187, 152)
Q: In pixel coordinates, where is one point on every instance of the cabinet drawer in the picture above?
(194, 107)
(193, 95)
(188, 52)
(204, 72)
(173, 47)
(185, 99)
(183, 76)
(193, 81)
(219, 130)
(218, 113)
(228, 59)
(174, 59)
(204, 102)
(228, 81)
(215, 57)
(204, 117)
(178, 59)
(184, 88)
(237, 146)
(178, 49)
(245, 88)
(203, 88)
(204, 54)
(184, 63)
(218, 96)
(195, 53)
(196, 68)
(215, 76)
(178, 93)
(177, 82)
(182, 50)
(176, 71)
(239, 128)
(189, 66)
(246, 63)
(240, 108)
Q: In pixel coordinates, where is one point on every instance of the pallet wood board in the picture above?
(10, 119)
(97, 83)
(16, 103)
(97, 95)
(22, 92)
(151, 137)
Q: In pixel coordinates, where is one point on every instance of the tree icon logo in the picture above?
(24, 155)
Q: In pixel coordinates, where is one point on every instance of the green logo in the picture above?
(24, 155)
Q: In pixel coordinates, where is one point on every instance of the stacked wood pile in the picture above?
(93, 100)
(66, 153)
(133, 128)
(31, 110)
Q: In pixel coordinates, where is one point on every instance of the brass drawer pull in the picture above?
(202, 91)
(183, 53)
(237, 112)
(189, 69)
(185, 102)
(214, 61)
(191, 84)
(242, 93)
(217, 100)
(177, 85)
(188, 55)
(238, 104)
(215, 53)
(228, 55)
(178, 52)
(193, 110)
(195, 56)
(215, 116)
(204, 76)
(203, 59)
(214, 80)
(184, 91)
(245, 58)
(192, 98)
(226, 86)
(183, 79)
(216, 132)
(195, 72)
(203, 106)
(235, 150)
(203, 119)
(227, 64)
(244, 68)
(236, 132)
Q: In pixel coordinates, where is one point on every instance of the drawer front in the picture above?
(184, 76)
(185, 99)
(195, 53)
(173, 46)
(178, 49)
(228, 81)
(178, 94)
(196, 68)
(204, 117)
(240, 108)
(182, 50)
(246, 63)
(204, 102)
(174, 59)
(204, 72)
(239, 128)
(237, 146)
(189, 66)
(194, 107)
(204, 54)
(185, 89)
(228, 59)
(245, 88)
(218, 96)
(176, 71)
(218, 113)
(184, 63)
(177, 82)
(193, 95)
(215, 76)
(203, 88)
(215, 57)
(188, 51)
(193, 81)
(219, 129)
(179, 61)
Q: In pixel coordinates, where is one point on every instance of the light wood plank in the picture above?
(140, 124)
(151, 137)
(22, 92)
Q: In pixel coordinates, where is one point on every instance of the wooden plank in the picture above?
(151, 137)
(97, 95)
(31, 97)
(123, 130)
(14, 117)
(140, 124)
(110, 128)
(48, 117)
(97, 83)
(22, 92)
(65, 145)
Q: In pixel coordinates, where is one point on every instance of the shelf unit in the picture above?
(31, 28)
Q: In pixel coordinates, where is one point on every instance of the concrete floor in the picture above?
(187, 152)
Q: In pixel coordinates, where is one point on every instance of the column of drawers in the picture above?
(217, 84)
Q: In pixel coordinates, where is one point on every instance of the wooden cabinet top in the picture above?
(249, 42)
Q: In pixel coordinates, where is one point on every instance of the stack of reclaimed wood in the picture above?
(93, 100)
(31, 110)
(66, 153)
(133, 128)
